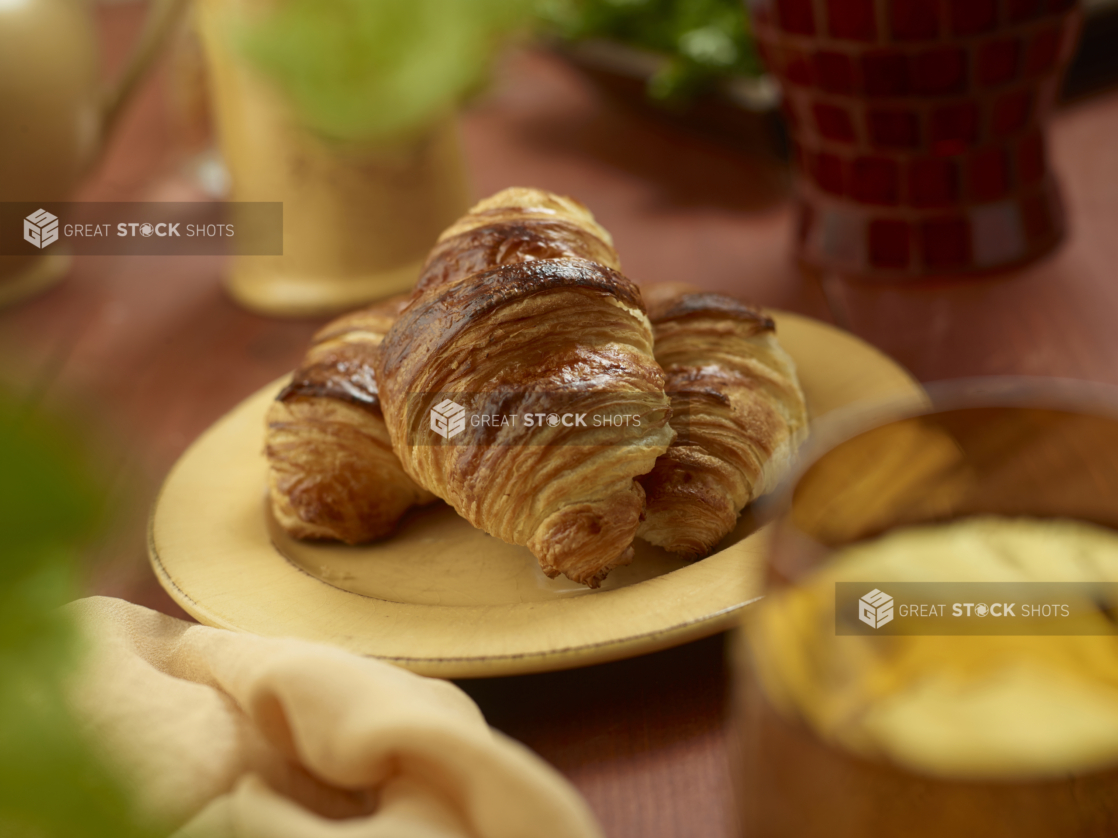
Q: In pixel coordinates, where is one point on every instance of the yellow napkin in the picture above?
(226, 735)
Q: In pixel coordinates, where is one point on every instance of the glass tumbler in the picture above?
(845, 728)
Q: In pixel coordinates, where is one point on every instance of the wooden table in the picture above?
(147, 352)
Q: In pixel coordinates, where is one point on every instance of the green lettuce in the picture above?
(376, 69)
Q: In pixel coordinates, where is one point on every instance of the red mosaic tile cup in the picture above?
(918, 128)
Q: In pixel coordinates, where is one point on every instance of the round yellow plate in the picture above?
(441, 597)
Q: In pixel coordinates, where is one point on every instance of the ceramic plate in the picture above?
(441, 597)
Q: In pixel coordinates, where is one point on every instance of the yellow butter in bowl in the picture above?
(969, 706)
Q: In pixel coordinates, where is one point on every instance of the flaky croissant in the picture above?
(738, 412)
(519, 313)
(516, 225)
(332, 472)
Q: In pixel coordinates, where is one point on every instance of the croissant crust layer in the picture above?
(738, 412)
(532, 337)
(505, 242)
(332, 473)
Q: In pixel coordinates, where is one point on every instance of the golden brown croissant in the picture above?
(520, 314)
(332, 472)
(516, 225)
(738, 413)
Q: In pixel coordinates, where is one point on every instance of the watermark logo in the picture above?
(875, 609)
(448, 419)
(143, 228)
(978, 608)
(40, 228)
(507, 416)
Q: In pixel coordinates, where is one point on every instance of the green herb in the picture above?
(374, 69)
(52, 784)
(703, 40)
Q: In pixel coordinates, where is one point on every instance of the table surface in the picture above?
(146, 352)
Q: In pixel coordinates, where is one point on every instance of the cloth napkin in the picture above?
(226, 735)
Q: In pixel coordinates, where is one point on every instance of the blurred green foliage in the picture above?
(375, 69)
(703, 40)
(52, 785)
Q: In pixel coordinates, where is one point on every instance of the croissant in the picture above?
(332, 473)
(738, 413)
(516, 225)
(520, 313)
